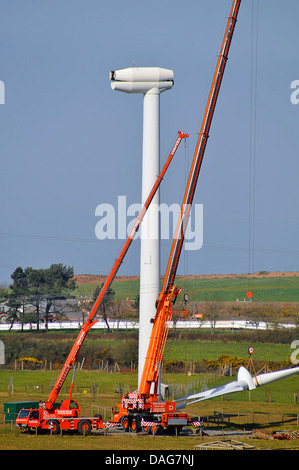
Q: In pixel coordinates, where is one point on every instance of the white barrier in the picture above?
(128, 325)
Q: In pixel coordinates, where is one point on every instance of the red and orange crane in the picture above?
(144, 407)
(169, 291)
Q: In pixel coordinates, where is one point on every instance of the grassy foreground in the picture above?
(249, 412)
(128, 442)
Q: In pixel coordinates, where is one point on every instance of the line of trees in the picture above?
(43, 295)
(34, 292)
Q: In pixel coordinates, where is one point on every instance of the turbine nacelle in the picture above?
(141, 79)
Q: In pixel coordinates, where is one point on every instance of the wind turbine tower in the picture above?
(151, 82)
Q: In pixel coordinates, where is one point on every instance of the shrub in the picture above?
(174, 366)
(126, 353)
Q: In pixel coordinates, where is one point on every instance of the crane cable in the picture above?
(186, 266)
(252, 140)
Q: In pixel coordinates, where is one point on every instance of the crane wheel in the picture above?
(84, 427)
(53, 426)
(134, 425)
(125, 424)
(145, 429)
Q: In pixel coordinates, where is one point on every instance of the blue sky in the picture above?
(68, 142)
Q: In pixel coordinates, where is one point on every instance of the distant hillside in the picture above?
(265, 287)
(98, 279)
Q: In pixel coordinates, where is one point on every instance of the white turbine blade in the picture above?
(244, 382)
(231, 387)
(269, 377)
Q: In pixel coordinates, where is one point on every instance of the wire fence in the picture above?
(174, 391)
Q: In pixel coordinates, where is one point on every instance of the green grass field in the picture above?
(198, 350)
(264, 289)
(252, 411)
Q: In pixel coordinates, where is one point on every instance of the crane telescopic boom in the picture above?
(72, 357)
(169, 291)
(199, 151)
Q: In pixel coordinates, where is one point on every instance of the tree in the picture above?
(17, 297)
(106, 302)
(135, 304)
(212, 311)
(84, 306)
(40, 288)
(119, 310)
(57, 282)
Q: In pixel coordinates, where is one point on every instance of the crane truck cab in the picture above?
(28, 418)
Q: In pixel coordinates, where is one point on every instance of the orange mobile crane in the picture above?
(143, 409)
(66, 416)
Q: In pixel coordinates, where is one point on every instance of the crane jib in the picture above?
(199, 151)
(163, 312)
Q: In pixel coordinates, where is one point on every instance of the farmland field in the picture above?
(198, 350)
(122, 346)
(264, 288)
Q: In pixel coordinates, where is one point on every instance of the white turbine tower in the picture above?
(151, 81)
